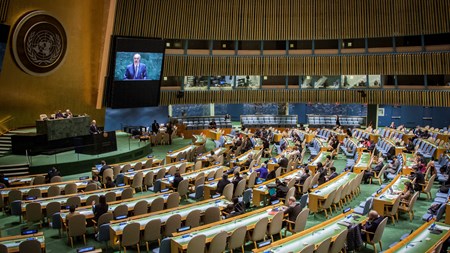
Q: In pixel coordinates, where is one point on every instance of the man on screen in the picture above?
(137, 70)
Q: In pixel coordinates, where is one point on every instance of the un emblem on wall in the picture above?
(39, 43)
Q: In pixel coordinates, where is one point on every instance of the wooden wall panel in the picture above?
(280, 19)
(394, 97)
(390, 64)
(4, 4)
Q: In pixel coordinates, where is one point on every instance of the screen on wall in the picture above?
(135, 72)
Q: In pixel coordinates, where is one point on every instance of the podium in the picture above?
(96, 144)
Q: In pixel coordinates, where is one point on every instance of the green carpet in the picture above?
(9, 224)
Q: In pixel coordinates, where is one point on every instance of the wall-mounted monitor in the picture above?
(135, 70)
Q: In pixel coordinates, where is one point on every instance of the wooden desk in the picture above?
(172, 156)
(384, 198)
(116, 228)
(407, 164)
(23, 180)
(130, 203)
(261, 192)
(180, 240)
(63, 198)
(277, 137)
(214, 134)
(12, 242)
(321, 157)
(422, 240)
(218, 151)
(198, 139)
(156, 162)
(81, 184)
(129, 176)
(363, 162)
(321, 193)
(314, 235)
(238, 161)
(191, 176)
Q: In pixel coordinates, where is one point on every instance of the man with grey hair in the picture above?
(293, 209)
(371, 225)
(136, 70)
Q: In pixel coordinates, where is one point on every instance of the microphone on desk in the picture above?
(411, 244)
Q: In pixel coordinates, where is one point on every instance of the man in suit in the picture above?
(136, 70)
(222, 183)
(283, 162)
(93, 129)
(155, 127)
(293, 210)
(333, 173)
(176, 180)
(103, 168)
(371, 225)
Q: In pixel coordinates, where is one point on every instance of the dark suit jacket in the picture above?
(177, 181)
(372, 226)
(333, 175)
(283, 162)
(130, 72)
(293, 212)
(93, 129)
(155, 127)
(221, 184)
(99, 210)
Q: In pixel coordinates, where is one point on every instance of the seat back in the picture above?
(138, 166)
(161, 173)
(324, 246)
(173, 200)
(14, 195)
(92, 198)
(110, 196)
(53, 191)
(152, 231)
(4, 249)
(104, 233)
(218, 243)
(379, 232)
(35, 192)
(137, 180)
(140, 207)
(339, 242)
(55, 179)
(251, 179)
(52, 208)
(131, 233)
(193, 218)
(33, 212)
(38, 180)
(304, 200)
(148, 179)
(127, 193)
(197, 244)
(228, 191)
(239, 191)
(276, 224)
(237, 238)
(120, 210)
(73, 201)
(212, 214)
(30, 246)
(105, 218)
(172, 224)
(77, 225)
(70, 188)
(259, 232)
(300, 221)
(157, 205)
(90, 187)
(183, 187)
(308, 249)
